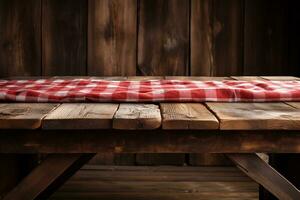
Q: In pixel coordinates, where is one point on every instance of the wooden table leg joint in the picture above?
(261, 172)
(55, 170)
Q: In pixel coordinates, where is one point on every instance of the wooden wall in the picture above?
(149, 37)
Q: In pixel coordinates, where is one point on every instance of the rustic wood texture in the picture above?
(144, 78)
(198, 78)
(247, 78)
(163, 37)
(281, 78)
(265, 38)
(216, 37)
(265, 175)
(52, 169)
(145, 183)
(112, 37)
(20, 38)
(256, 116)
(193, 116)
(64, 33)
(81, 116)
(137, 116)
(143, 141)
(23, 115)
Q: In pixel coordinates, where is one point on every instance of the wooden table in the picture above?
(71, 133)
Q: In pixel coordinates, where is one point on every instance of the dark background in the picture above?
(149, 37)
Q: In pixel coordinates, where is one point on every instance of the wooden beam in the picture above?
(149, 141)
(48, 176)
(264, 174)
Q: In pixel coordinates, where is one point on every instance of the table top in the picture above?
(150, 116)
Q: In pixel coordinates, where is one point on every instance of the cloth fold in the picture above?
(94, 90)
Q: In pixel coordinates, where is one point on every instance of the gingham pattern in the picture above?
(93, 90)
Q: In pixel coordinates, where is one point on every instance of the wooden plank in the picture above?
(144, 78)
(266, 38)
(143, 141)
(228, 31)
(137, 116)
(247, 78)
(23, 115)
(256, 116)
(64, 37)
(281, 78)
(55, 169)
(112, 37)
(159, 182)
(193, 116)
(168, 38)
(265, 175)
(202, 56)
(20, 38)
(216, 37)
(198, 78)
(81, 116)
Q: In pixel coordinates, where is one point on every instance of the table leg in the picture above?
(265, 175)
(48, 176)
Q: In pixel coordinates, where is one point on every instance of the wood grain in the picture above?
(265, 38)
(149, 141)
(81, 116)
(202, 57)
(256, 116)
(198, 78)
(137, 116)
(163, 40)
(281, 78)
(216, 37)
(247, 78)
(54, 169)
(64, 37)
(265, 175)
(228, 33)
(193, 116)
(20, 38)
(23, 115)
(112, 37)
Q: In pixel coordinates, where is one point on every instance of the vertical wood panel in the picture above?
(229, 35)
(112, 37)
(266, 49)
(163, 37)
(20, 40)
(202, 56)
(216, 37)
(64, 29)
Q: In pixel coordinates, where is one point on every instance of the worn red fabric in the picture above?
(93, 90)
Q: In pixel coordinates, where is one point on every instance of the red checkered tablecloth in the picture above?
(93, 90)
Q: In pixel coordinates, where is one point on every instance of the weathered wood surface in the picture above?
(198, 78)
(112, 37)
(20, 38)
(137, 116)
(216, 37)
(42, 178)
(81, 116)
(64, 37)
(281, 78)
(23, 115)
(265, 175)
(256, 116)
(163, 45)
(161, 183)
(192, 116)
(266, 38)
(149, 141)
